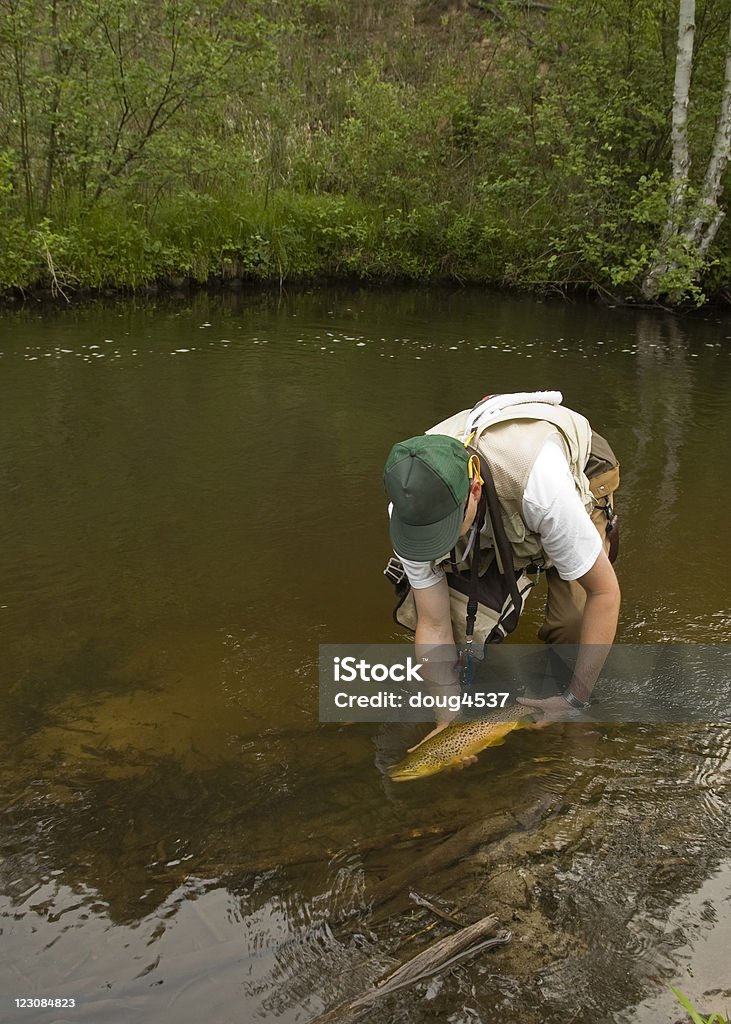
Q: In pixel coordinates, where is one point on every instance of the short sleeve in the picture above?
(553, 509)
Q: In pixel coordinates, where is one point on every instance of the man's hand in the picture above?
(553, 709)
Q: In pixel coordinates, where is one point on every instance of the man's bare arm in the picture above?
(598, 625)
(598, 629)
(435, 646)
(434, 625)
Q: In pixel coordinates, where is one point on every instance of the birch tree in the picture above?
(694, 215)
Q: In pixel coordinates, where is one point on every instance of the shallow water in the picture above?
(192, 503)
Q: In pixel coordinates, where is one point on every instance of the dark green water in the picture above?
(191, 503)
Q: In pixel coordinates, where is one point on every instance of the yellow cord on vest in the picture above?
(473, 465)
(473, 468)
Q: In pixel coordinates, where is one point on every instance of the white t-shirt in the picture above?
(552, 509)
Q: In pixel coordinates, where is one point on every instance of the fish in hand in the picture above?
(459, 742)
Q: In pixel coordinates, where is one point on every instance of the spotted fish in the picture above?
(458, 741)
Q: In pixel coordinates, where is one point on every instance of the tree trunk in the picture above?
(53, 112)
(681, 94)
(708, 220)
(681, 158)
(691, 228)
(19, 62)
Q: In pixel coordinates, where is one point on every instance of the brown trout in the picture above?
(458, 741)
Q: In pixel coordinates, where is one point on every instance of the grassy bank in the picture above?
(285, 237)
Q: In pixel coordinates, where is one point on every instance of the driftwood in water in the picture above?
(423, 901)
(442, 856)
(436, 957)
(498, 830)
(304, 856)
(455, 848)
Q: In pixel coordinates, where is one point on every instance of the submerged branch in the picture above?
(437, 957)
(456, 847)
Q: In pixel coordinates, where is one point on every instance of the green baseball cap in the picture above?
(426, 479)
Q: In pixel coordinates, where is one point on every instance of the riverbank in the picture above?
(201, 240)
(199, 243)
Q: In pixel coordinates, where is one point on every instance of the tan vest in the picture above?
(510, 444)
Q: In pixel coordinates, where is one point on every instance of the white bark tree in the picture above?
(693, 220)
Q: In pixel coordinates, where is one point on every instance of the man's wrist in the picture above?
(574, 702)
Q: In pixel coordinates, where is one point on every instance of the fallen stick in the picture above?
(437, 957)
(422, 901)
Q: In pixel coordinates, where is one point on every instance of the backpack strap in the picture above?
(490, 503)
(472, 601)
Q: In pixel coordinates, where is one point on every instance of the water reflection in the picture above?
(664, 412)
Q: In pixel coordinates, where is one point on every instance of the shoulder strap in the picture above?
(472, 602)
(490, 505)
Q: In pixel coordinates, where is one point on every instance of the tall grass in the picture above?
(695, 1016)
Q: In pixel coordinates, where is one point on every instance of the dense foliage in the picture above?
(525, 144)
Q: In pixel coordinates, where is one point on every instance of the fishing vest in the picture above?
(510, 444)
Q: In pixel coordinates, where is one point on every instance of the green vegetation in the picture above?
(715, 1018)
(517, 144)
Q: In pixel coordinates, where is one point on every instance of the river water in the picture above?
(191, 504)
